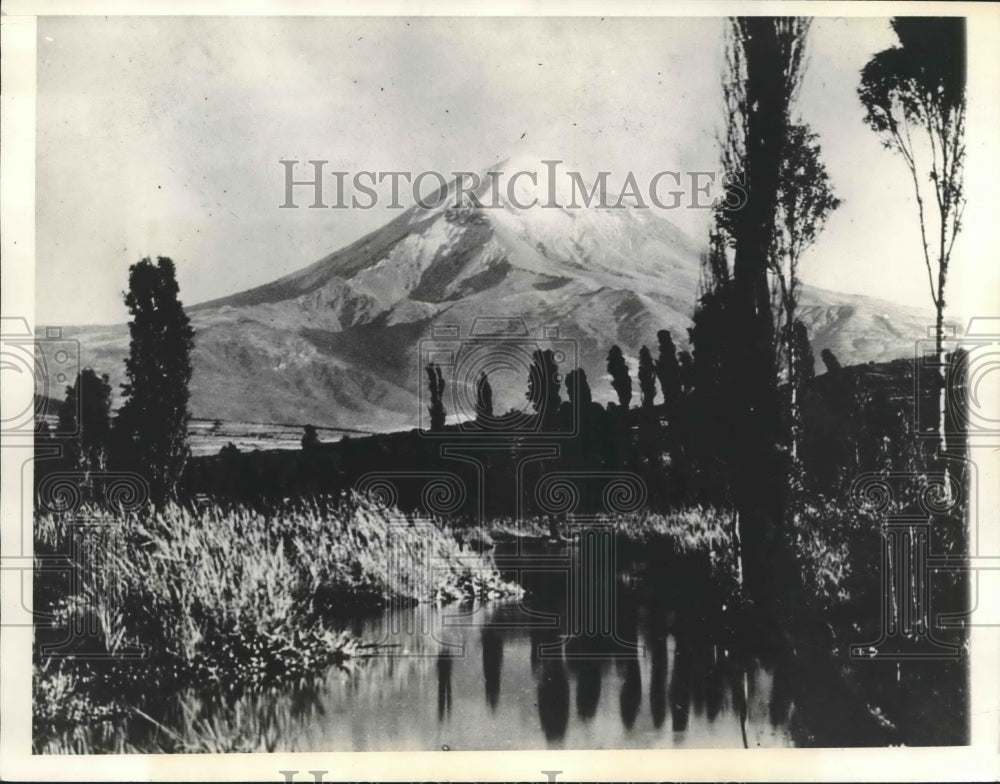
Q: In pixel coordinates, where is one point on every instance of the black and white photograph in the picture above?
(502, 383)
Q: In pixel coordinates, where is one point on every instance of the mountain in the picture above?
(338, 343)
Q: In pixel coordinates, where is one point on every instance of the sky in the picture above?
(163, 136)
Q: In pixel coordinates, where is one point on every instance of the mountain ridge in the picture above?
(337, 342)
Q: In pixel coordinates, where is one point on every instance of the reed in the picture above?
(228, 597)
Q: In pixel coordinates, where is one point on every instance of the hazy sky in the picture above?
(162, 136)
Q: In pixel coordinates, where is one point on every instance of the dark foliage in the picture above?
(620, 379)
(86, 414)
(805, 361)
(152, 424)
(647, 378)
(435, 386)
(668, 372)
(830, 361)
(484, 397)
(310, 438)
(578, 389)
(764, 69)
(703, 449)
(543, 387)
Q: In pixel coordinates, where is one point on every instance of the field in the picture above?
(207, 437)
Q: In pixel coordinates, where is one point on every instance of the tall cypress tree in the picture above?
(668, 372)
(484, 397)
(153, 419)
(581, 405)
(543, 387)
(647, 378)
(578, 390)
(764, 65)
(435, 384)
(620, 379)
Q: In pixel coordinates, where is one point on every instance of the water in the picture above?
(513, 676)
(485, 681)
(603, 653)
(585, 662)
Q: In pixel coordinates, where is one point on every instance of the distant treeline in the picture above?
(855, 419)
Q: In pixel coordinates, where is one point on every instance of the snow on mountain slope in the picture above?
(336, 343)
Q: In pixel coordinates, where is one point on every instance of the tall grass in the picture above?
(231, 596)
(177, 579)
(690, 531)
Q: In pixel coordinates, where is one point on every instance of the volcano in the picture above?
(338, 343)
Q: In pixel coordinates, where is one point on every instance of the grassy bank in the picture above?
(225, 599)
(700, 532)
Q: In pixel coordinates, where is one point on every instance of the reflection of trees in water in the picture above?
(738, 682)
(492, 641)
(444, 666)
(630, 697)
(707, 677)
(306, 702)
(553, 699)
(703, 670)
(588, 687)
(715, 682)
(706, 673)
(780, 703)
(699, 678)
(590, 656)
(549, 669)
(545, 629)
(536, 639)
(698, 673)
(582, 654)
(658, 667)
(631, 694)
(680, 685)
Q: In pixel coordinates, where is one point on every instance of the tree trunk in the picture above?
(942, 369)
(942, 359)
(758, 478)
(793, 388)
